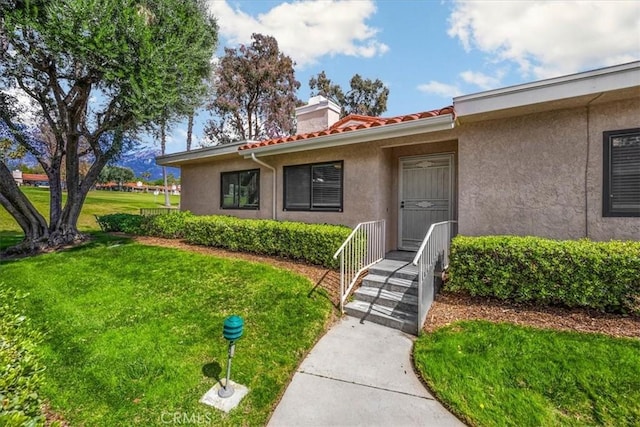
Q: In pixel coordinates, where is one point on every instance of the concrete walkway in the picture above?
(359, 374)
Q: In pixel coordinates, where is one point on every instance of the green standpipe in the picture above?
(232, 331)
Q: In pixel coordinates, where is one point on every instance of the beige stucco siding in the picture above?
(201, 187)
(361, 177)
(607, 117)
(526, 175)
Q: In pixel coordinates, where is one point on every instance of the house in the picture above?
(31, 179)
(556, 158)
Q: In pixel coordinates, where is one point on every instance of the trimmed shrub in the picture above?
(20, 366)
(313, 243)
(121, 222)
(170, 226)
(573, 273)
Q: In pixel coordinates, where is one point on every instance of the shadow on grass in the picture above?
(9, 238)
(95, 239)
(212, 370)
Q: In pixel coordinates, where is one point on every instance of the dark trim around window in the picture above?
(621, 173)
(240, 189)
(314, 187)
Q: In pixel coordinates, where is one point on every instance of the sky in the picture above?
(429, 51)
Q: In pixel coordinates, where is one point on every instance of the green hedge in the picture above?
(20, 366)
(169, 226)
(312, 243)
(121, 222)
(573, 273)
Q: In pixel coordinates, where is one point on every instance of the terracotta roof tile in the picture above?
(34, 177)
(350, 123)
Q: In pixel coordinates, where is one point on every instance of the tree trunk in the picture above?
(163, 148)
(32, 223)
(189, 130)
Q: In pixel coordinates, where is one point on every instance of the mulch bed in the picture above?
(448, 307)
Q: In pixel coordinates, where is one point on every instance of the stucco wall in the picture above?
(606, 117)
(526, 175)
(317, 120)
(201, 187)
(201, 183)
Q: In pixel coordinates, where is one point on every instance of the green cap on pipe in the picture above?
(233, 326)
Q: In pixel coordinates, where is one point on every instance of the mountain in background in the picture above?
(144, 160)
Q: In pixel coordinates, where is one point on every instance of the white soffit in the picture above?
(594, 82)
(176, 159)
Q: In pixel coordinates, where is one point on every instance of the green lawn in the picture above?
(134, 332)
(507, 375)
(97, 203)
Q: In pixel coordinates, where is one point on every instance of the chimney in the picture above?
(319, 114)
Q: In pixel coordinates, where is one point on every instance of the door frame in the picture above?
(452, 171)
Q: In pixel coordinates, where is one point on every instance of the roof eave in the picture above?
(571, 86)
(176, 159)
(429, 124)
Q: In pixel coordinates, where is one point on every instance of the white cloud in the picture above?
(480, 80)
(550, 38)
(29, 113)
(306, 30)
(441, 89)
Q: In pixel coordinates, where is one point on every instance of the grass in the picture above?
(134, 333)
(97, 203)
(502, 374)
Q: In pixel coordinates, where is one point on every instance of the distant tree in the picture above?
(254, 95)
(137, 56)
(37, 169)
(366, 97)
(188, 96)
(116, 174)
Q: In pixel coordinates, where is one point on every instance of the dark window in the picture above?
(621, 195)
(315, 187)
(240, 190)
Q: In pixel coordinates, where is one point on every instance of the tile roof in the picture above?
(34, 177)
(350, 123)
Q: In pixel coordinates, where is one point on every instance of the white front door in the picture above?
(426, 190)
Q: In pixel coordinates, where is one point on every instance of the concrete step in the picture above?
(406, 256)
(399, 269)
(397, 319)
(396, 300)
(393, 284)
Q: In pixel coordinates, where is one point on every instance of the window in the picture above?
(621, 195)
(240, 190)
(315, 187)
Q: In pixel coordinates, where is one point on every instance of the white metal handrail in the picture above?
(433, 250)
(363, 248)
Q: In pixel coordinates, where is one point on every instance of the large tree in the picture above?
(98, 71)
(254, 95)
(365, 97)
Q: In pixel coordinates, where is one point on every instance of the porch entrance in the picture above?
(425, 196)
